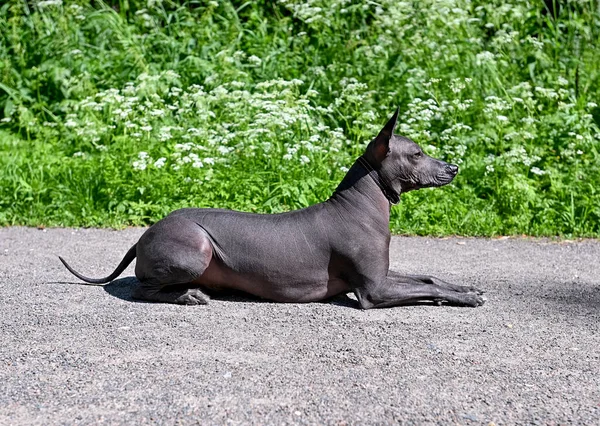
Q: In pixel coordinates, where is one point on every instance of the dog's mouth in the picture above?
(445, 174)
(440, 179)
(445, 179)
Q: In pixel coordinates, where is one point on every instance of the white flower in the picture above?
(548, 93)
(255, 60)
(184, 146)
(160, 162)
(191, 157)
(485, 57)
(304, 159)
(139, 165)
(70, 123)
(209, 160)
(164, 136)
(537, 171)
(46, 3)
(157, 112)
(528, 120)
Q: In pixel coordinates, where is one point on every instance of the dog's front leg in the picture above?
(402, 290)
(428, 279)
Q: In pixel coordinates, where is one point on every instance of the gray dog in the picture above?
(308, 255)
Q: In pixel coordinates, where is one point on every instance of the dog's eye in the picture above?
(418, 154)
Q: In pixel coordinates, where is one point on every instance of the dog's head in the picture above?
(403, 165)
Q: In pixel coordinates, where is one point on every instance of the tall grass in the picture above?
(116, 113)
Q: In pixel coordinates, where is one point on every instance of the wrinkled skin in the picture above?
(334, 247)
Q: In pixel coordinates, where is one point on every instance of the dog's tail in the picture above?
(124, 264)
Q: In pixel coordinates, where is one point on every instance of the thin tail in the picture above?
(124, 264)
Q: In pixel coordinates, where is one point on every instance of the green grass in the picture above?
(117, 113)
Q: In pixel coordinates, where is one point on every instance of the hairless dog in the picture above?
(338, 246)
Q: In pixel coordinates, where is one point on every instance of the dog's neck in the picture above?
(361, 194)
(363, 170)
(386, 187)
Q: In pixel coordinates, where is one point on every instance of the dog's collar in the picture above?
(385, 186)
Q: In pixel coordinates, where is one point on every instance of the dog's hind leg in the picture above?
(171, 257)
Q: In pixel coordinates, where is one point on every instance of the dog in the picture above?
(335, 247)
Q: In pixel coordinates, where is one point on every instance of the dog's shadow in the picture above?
(122, 288)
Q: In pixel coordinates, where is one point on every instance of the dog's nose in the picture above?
(451, 168)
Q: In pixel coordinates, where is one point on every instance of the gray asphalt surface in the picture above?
(74, 354)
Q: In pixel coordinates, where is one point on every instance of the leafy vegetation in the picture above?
(116, 113)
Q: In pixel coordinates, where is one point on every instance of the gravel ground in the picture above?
(73, 354)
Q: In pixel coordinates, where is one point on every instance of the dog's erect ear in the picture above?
(380, 146)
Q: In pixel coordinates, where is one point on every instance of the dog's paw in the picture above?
(471, 289)
(458, 298)
(472, 299)
(465, 289)
(193, 296)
